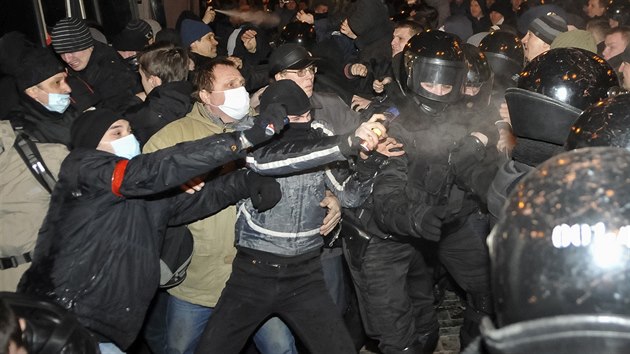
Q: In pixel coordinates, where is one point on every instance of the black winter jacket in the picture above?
(97, 253)
(410, 184)
(110, 77)
(40, 123)
(163, 105)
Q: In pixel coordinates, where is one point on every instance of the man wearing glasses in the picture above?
(293, 62)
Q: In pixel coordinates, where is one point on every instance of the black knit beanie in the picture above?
(88, 130)
(37, 65)
(288, 94)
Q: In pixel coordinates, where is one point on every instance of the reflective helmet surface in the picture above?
(300, 33)
(479, 78)
(433, 57)
(504, 51)
(604, 124)
(619, 10)
(572, 76)
(563, 243)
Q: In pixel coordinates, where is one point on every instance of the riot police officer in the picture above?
(605, 124)
(424, 205)
(552, 91)
(560, 260)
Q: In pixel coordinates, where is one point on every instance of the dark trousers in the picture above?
(294, 292)
(394, 288)
(395, 284)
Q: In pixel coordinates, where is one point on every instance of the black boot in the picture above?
(425, 344)
(477, 307)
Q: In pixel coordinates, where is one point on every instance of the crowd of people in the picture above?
(338, 167)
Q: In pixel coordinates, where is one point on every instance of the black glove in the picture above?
(264, 192)
(466, 153)
(429, 225)
(271, 121)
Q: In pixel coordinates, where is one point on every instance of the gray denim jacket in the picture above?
(292, 226)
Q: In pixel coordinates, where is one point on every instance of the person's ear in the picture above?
(32, 92)
(155, 81)
(205, 97)
(22, 323)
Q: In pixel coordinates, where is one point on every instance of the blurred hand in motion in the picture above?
(333, 215)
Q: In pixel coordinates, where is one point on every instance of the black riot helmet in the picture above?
(619, 10)
(553, 89)
(505, 54)
(425, 15)
(560, 256)
(300, 33)
(603, 124)
(479, 78)
(430, 58)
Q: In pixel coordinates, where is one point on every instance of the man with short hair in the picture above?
(616, 42)
(163, 70)
(192, 302)
(403, 31)
(541, 32)
(95, 63)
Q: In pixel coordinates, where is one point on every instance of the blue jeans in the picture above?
(109, 348)
(186, 322)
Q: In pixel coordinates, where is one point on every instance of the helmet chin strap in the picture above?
(433, 109)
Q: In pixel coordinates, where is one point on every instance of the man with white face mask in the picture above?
(97, 253)
(44, 113)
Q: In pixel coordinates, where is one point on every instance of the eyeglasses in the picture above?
(302, 72)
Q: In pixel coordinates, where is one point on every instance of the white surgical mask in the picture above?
(58, 102)
(127, 147)
(236, 104)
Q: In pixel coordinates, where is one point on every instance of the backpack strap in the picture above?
(14, 261)
(30, 154)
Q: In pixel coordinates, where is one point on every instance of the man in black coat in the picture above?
(45, 110)
(425, 205)
(95, 63)
(97, 252)
(164, 70)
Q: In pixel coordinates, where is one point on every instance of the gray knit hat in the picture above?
(548, 27)
(71, 35)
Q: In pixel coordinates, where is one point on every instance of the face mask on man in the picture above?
(127, 147)
(58, 102)
(236, 104)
